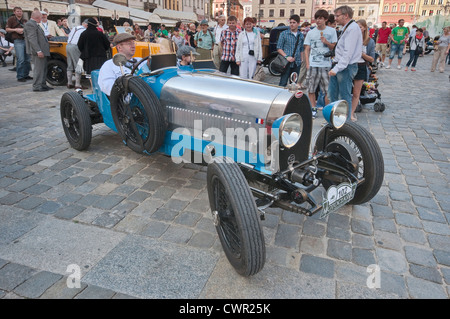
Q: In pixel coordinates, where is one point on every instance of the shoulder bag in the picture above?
(280, 63)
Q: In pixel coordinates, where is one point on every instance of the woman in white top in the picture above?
(248, 50)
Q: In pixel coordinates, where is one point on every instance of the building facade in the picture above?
(363, 9)
(270, 13)
(228, 8)
(394, 10)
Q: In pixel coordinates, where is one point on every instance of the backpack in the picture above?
(8, 37)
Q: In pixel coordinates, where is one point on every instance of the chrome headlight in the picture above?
(288, 129)
(336, 113)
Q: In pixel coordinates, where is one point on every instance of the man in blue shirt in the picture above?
(286, 45)
(347, 53)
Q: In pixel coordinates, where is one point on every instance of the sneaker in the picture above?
(314, 113)
(412, 69)
(399, 67)
(388, 67)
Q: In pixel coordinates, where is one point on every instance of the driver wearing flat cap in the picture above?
(109, 72)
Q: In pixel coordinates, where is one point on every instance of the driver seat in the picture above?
(163, 60)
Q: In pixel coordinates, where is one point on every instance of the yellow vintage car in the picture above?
(57, 62)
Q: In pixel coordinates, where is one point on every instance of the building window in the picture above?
(411, 8)
(438, 12)
(425, 1)
(440, 1)
(292, 1)
(271, 12)
(261, 1)
(317, 2)
(403, 8)
(394, 8)
(302, 12)
(431, 13)
(261, 13)
(302, 1)
(281, 13)
(433, 2)
(330, 1)
(371, 11)
(282, 1)
(292, 12)
(386, 8)
(361, 11)
(272, 2)
(424, 12)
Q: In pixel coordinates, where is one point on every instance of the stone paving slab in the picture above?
(140, 227)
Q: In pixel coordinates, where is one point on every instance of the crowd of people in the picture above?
(331, 61)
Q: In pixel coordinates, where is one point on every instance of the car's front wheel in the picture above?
(236, 217)
(366, 154)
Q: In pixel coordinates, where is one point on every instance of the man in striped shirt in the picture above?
(228, 42)
(286, 46)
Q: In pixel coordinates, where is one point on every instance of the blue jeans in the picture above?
(412, 58)
(23, 65)
(341, 85)
(396, 48)
(293, 67)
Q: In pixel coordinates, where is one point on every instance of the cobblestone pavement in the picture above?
(139, 226)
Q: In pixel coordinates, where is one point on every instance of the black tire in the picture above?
(371, 163)
(146, 112)
(271, 70)
(76, 120)
(238, 222)
(382, 107)
(377, 107)
(56, 72)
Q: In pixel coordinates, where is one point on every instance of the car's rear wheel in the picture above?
(236, 217)
(56, 72)
(138, 115)
(369, 158)
(76, 120)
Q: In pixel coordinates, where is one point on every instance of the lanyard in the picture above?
(248, 41)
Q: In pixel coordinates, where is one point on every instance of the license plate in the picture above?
(336, 197)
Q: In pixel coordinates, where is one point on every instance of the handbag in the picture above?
(260, 75)
(419, 49)
(280, 63)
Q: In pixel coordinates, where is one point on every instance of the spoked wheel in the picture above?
(236, 217)
(76, 120)
(271, 70)
(362, 149)
(138, 115)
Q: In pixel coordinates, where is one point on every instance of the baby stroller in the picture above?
(371, 94)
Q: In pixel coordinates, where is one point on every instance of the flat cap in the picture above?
(44, 12)
(122, 37)
(186, 50)
(2, 31)
(204, 21)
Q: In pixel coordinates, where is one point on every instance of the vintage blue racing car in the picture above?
(255, 138)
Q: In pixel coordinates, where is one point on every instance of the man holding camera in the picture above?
(348, 51)
(318, 45)
(290, 45)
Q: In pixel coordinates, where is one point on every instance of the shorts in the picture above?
(381, 47)
(362, 72)
(396, 48)
(318, 76)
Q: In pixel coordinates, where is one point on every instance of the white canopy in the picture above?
(139, 15)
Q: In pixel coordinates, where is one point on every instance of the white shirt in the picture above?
(218, 31)
(4, 43)
(74, 34)
(108, 74)
(349, 47)
(45, 28)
